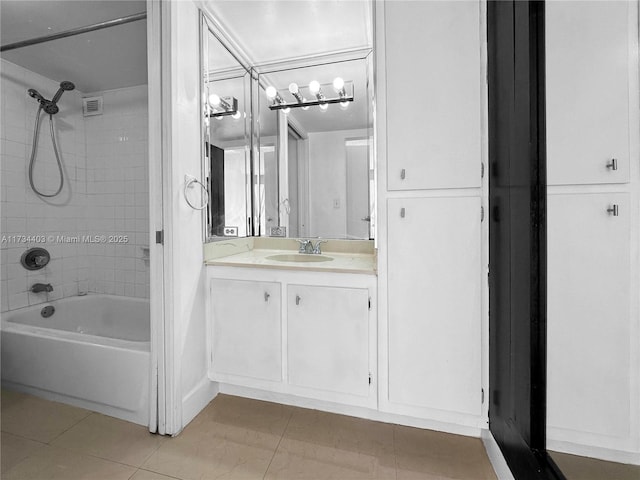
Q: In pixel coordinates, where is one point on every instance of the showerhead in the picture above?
(34, 94)
(50, 107)
(64, 86)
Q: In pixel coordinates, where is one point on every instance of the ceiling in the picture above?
(106, 59)
(274, 31)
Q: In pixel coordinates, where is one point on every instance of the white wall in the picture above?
(327, 182)
(184, 236)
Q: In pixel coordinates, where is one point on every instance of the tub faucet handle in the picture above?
(41, 287)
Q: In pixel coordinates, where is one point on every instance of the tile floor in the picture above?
(582, 468)
(233, 438)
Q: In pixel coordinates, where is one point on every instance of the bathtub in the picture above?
(93, 352)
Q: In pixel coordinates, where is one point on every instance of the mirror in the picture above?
(316, 167)
(306, 171)
(226, 103)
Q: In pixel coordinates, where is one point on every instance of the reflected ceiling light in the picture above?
(344, 105)
(286, 110)
(294, 95)
(314, 87)
(222, 106)
(236, 115)
(271, 92)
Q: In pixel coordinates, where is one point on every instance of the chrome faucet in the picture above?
(41, 287)
(307, 246)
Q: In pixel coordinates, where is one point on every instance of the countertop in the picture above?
(341, 262)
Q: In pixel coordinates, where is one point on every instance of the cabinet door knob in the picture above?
(298, 299)
(403, 174)
(266, 296)
(613, 164)
(613, 210)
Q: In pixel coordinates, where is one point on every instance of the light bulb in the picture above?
(314, 87)
(271, 92)
(324, 106)
(236, 115)
(338, 84)
(293, 88)
(214, 100)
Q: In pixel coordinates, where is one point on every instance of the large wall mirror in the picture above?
(288, 122)
(226, 92)
(316, 151)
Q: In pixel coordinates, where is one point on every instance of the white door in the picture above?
(246, 337)
(587, 90)
(432, 95)
(358, 215)
(328, 338)
(589, 328)
(434, 275)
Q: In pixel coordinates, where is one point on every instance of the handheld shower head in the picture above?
(64, 86)
(34, 94)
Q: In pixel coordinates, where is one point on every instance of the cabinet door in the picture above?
(587, 91)
(434, 275)
(433, 94)
(246, 337)
(328, 331)
(589, 329)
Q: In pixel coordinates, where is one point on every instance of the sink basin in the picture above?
(299, 258)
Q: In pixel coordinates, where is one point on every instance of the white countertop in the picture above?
(339, 263)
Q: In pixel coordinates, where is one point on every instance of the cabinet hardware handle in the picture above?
(298, 299)
(613, 210)
(266, 296)
(403, 174)
(613, 164)
(402, 212)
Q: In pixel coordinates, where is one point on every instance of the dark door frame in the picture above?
(517, 237)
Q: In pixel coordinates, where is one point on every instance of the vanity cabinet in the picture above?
(434, 308)
(587, 90)
(310, 335)
(591, 334)
(245, 330)
(328, 338)
(433, 94)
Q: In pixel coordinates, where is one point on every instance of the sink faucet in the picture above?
(307, 246)
(41, 287)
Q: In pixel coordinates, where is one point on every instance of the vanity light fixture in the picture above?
(294, 95)
(222, 106)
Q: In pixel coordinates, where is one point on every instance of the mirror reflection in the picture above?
(226, 104)
(316, 158)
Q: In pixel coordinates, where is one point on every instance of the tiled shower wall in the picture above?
(105, 192)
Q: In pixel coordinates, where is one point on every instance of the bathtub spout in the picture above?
(41, 287)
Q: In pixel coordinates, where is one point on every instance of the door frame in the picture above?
(516, 78)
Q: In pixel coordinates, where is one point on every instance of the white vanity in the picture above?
(306, 329)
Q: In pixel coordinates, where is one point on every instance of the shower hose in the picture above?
(34, 147)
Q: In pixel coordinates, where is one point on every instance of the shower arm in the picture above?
(75, 31)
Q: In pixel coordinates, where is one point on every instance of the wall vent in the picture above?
(91, 106)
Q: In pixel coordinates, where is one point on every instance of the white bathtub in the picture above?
(93, 352)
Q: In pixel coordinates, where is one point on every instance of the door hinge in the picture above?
(481, 214)
(369, 303)
(482, 170)
(370, 379)
(160, 237)
(482, 396)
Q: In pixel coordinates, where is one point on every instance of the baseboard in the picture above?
(632, 458)
(496, 458)
(197, 398)
(360, 412)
